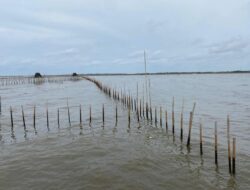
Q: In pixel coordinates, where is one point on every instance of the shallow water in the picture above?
(141, 156)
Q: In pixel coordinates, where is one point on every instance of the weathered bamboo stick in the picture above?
(173, 119)
(68, 112)
(201, 140)
(190, 128)
(34, 117)
(166, 119)
(103, 114)
(160, 116)
(229, 145)
(151, 114)
(90, 115)
(58, 118)
(116, 115)
(234, 156)
(0, 105)
(11, 119)
(80, 115)
(155, 115)
(47, 116)
(215, 144)
(129, 116)
(23, 117)
(181, 121)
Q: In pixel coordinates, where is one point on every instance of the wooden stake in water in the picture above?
(160, 116)
(155, 115)
(166, 119)
(181, 136)
(234, 155)
(201, 141)
(90, 115)
(0, 105)
(68, 112)
(34, 117)
(116, 115)
(47, 116)
(229, 145)
(80, 112)
(129, 115)
(173, 119)
(190, 128)
(215, 144)
(11, 119)
(103, 114)
(58, 118)
(24, 124)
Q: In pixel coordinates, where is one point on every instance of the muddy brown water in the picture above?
(113, 156)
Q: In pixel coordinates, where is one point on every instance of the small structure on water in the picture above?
(38, 75)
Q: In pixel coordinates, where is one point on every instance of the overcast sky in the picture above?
(104, 36)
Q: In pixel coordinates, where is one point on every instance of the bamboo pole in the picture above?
(47, 116)
(190, 128)
(129, 116)
(0, 105)
(173, 119)
(34, 117)
(90, 115)
(155, 115)
(201, 141)
(215, 144)
(166, 119)
(11, 119)
(103, 114)
(234, 155)
(116, 115)
(181, 122)
(58, 118)
(23, 117)
(80, 115)
(160, 116)
(229, 145)
(68, 112)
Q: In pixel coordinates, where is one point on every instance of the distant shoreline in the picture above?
(130, 74)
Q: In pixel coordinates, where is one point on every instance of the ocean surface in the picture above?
(141, 155)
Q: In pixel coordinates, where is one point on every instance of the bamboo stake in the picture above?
(80, 112)
(11, 119)
(190, 128)
(182, 121)
(155, 116)
(160, 116)
(90, 115)
(0, 105)
(216, 144)
(201, 141)
(129, 116)
(68, 113)
(47, 115)
(166, 120)
(103, 114)
(58, 118)
(229, 146)
(234, 155)
(151, 114)
(24, 124)
(34, 118)
(116, 115)
(173, 119)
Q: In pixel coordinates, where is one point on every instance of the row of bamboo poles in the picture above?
(142, 111)
(7, 81)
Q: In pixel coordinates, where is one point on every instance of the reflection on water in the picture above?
(119, 155)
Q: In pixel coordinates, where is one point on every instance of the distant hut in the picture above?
(74, 74)
(38, 75)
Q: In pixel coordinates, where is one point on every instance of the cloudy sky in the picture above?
(104, 36)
